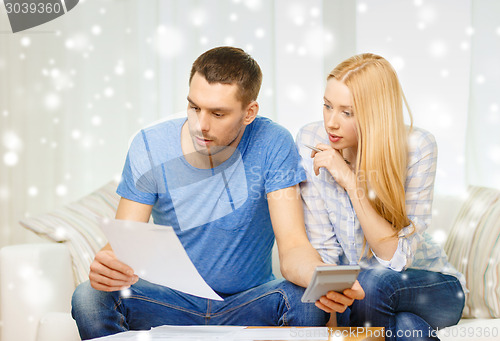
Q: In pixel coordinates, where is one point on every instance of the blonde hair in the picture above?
(377, 99)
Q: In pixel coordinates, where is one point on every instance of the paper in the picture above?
(156, 255)
(220, 333)
(282, 333)
(132, 335)
(235, 333)
(195, 332)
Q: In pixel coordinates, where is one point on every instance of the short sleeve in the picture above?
(282, 166)
(139, 177)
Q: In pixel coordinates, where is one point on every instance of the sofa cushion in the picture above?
(76, 225)
(473, 247)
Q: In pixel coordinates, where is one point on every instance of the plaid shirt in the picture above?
(334, 229)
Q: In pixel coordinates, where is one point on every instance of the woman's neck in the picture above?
(350, 155)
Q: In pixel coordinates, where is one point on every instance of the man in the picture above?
(224, 179)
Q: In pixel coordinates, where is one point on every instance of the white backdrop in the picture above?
(74, 90)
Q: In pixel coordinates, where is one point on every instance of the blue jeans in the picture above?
(410, 304)
(146, 305)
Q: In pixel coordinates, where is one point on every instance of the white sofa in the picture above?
(36, 286)
(37, 280)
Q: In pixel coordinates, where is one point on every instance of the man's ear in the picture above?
(251, 112)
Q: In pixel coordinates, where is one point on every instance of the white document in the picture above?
(283, 333)
(195, 332)
(156, 255)
(131, 335)
(222, 333)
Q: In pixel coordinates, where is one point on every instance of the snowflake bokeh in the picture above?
(52, 101)
(71, 98)
(10, 158)
(438, 49)
(61, 190)
(96, 30)
(33, 191)
(4, 193)
(149, 74)
(168, 41)
(494, 154)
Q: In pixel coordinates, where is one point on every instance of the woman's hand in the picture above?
(336, 302)
(332, 160)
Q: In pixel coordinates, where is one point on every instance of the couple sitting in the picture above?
(229, 182)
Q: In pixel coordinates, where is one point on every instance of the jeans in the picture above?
(410, 304)
(146, 305)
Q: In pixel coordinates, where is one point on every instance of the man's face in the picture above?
(215, 115)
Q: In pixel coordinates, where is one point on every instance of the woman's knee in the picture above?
(379, 281)
(409, 326)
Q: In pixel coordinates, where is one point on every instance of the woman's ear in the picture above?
(251, 112)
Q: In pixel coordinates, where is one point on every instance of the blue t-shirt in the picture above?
(220, 215)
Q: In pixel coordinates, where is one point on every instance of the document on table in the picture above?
(195, 332)
(222, 333)
(156, 255)
(282, 333)
(238, 333)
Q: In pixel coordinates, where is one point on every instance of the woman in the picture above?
(367, 201)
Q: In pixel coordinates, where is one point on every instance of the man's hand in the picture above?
(336, 302)
(107, 273)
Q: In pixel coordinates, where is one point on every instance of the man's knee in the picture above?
(301, 314)
(87, 300)
(80, 297)
(94, 312)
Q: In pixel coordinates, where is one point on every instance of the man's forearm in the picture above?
(297, 264)
(107, 247)
(298, 258)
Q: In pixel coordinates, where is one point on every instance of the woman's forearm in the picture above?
(378, 232)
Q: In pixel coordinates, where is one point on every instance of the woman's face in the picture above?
(338, 115)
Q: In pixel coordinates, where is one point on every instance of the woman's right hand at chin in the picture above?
(333, 162)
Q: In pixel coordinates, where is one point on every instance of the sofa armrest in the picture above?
(57, 327)
(34, 279)
(445, 209)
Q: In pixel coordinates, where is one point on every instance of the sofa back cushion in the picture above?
(76, 225)
(473, 247)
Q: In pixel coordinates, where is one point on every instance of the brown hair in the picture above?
(230, 65)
